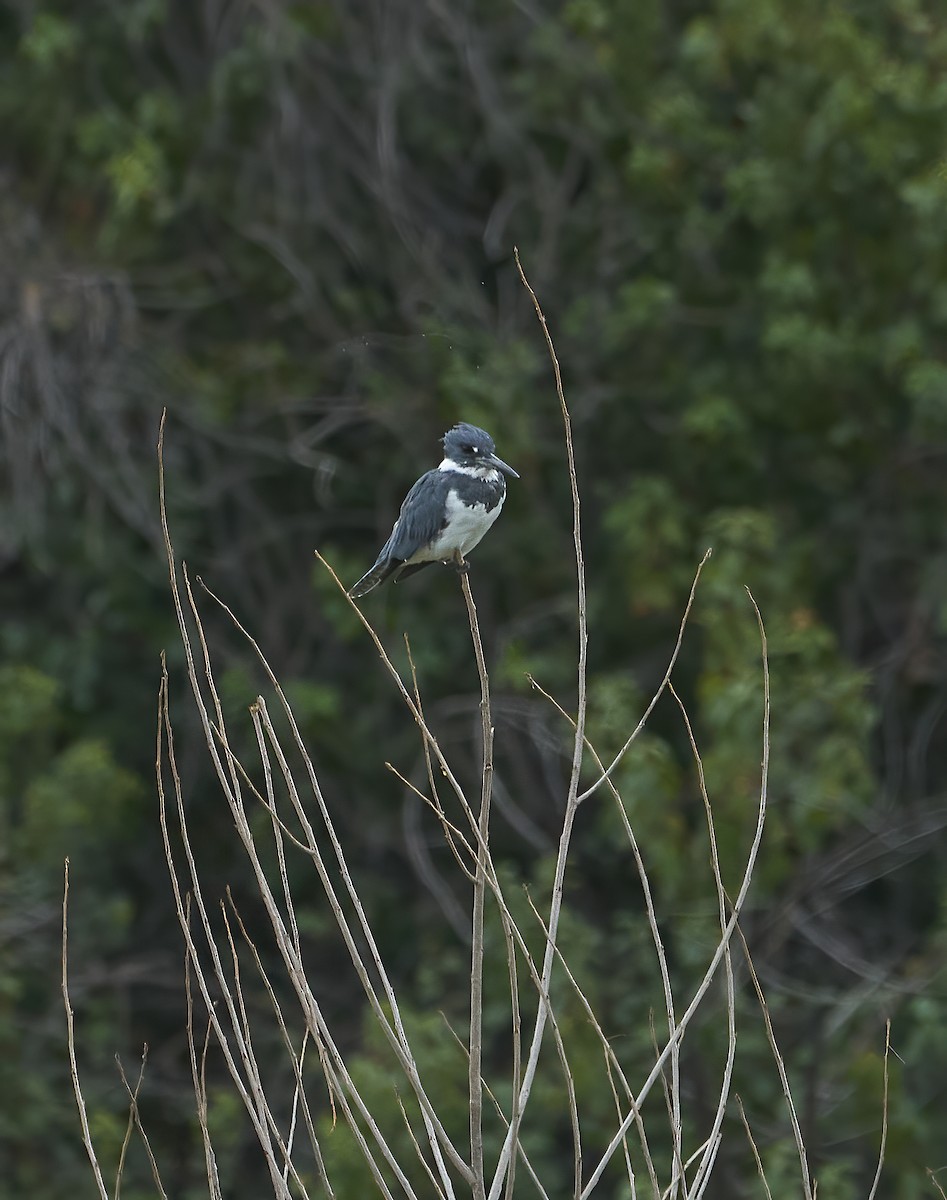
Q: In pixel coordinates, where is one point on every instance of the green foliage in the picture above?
(59, 796)
(82, 793)
(28, 702)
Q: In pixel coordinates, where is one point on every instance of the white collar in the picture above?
(486, 473)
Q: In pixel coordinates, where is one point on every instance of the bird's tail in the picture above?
(371, 579)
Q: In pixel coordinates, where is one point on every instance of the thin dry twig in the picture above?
(130, 1123)
(702, 1178)
(657, 695)
(521, 1099)
(450, 830)
(479, 881)
(260, 710)
(626, 1153)
(297, 1096)
(246, 1035)
(516, 1033)
(260, 1113)
(396, 678)
(781, 1068)
(71, 1038)
(452, 834)
(671, 1101)
(884, 1116)
(278, 830)
(475, 1082)
(435, 1183)
(439, 885)
(753, 1146)
(134, 1122)
(692, 1158)
(197, 1078)
(933, 1178)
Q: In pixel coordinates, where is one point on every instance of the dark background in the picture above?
(292, 224)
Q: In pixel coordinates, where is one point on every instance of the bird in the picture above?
(447, 511)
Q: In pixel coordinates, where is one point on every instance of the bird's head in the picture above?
(468, 446)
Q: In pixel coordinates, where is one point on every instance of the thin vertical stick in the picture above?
(134, 1119)
(753, 1146)
(629, 1170)
(516, 1032)
(555, 907)
(475, 1061)
(884, 1117)
(130, 1124)
(781, 1068)
(198, 1078)
(419, 1152)
(702, 1178)
(71, 1037)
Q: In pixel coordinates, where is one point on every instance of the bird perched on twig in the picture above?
(447, 512)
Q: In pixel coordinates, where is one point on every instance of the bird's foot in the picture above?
(461, 566)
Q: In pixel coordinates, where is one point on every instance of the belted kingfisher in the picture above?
(448, 510)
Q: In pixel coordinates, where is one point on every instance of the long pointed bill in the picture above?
(501, 465)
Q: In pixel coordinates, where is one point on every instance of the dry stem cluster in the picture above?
(300, 822)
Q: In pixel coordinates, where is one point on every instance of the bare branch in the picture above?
(475, 1084)
(197, 1076)
(753, 1146)
(780, 1067)
(572, 797)
(134, 1121)
(884, 1117)
(702, 1177)
(71, 1036)
(657, 695)
(933, 1178)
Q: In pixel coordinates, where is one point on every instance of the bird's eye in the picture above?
(471, 449)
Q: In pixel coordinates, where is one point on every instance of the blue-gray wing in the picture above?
(419, 522)
(421, 518)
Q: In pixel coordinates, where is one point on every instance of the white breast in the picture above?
(466, 525)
